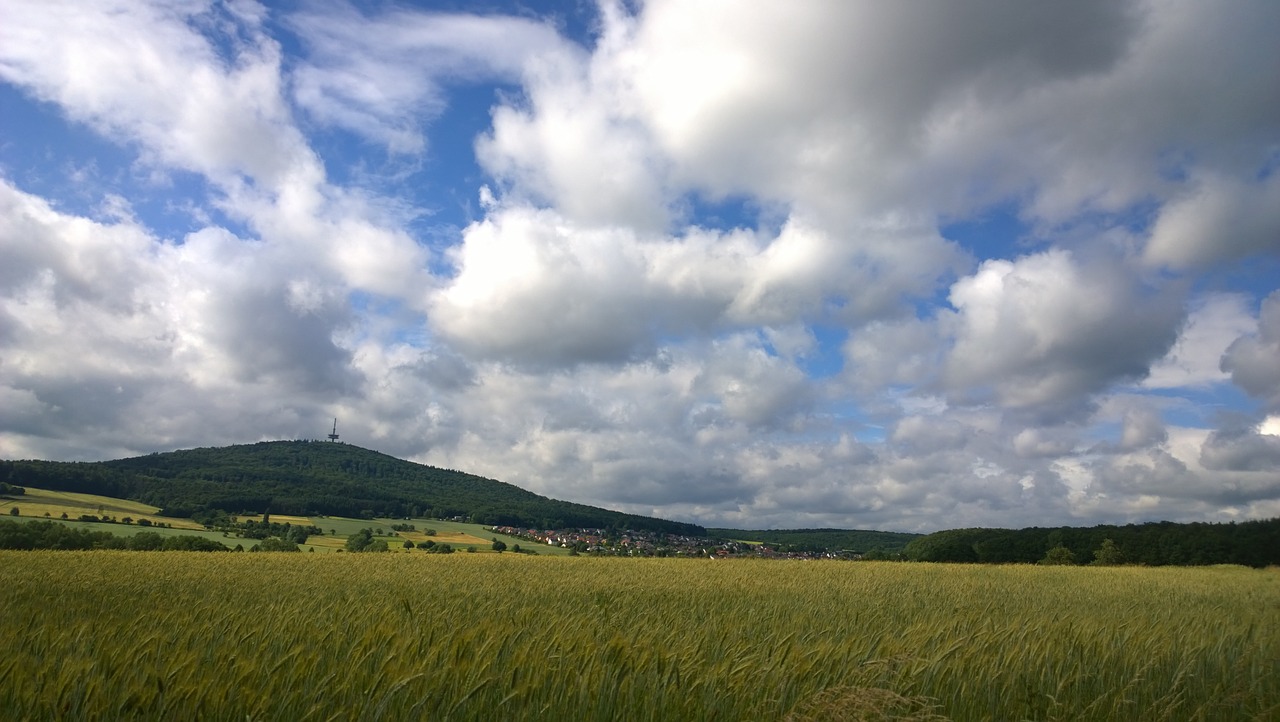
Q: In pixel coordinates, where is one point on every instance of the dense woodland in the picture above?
(309, 478)
(1251, 543)
(52, 535)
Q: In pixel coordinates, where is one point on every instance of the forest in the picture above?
(40, 534)
(1249, 543)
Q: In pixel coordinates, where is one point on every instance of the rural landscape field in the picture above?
(628, 360)
(121, 635)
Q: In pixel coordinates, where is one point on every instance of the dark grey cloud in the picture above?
(1241, 450)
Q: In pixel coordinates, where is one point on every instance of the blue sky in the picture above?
(790, 264)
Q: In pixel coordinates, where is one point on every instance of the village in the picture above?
(633, 543)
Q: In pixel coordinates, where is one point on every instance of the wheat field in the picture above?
(172, 635)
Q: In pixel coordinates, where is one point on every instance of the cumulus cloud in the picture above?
(144, 73)
(1048, 328)
(1254, 360)
(714, 272)
(140, 342)
(1241, 450)
(1218, 219)
(533, 286)
(721, 92)
(1213, 323)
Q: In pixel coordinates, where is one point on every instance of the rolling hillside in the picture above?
(311, 477)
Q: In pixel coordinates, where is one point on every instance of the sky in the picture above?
(778, 264)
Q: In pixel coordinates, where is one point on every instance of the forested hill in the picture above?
(312, 477)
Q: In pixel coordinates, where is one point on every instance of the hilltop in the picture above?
(310, 478)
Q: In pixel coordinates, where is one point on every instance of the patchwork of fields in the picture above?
(42, 503)
(486, 636)
(52, 505)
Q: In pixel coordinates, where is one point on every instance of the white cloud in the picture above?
(140, 72)
(1254, 360)
(1214, 322)
(1048, 329)
(113, 334)
(534, 286)
(385, 76)
(573, 148)
(828, 103)
(1218, 219)
(1270, 426)
(592, 333)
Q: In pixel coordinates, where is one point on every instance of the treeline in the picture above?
(52, 535)
(308, 478)
(1250, 543)
(821, 540)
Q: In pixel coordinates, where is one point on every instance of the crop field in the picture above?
(42, 503)
(172, 635)
(277, 518)
(458, 534)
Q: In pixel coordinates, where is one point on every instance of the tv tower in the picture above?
(334, 436)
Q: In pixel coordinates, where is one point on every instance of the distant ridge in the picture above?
(823, 539)
(314, 477)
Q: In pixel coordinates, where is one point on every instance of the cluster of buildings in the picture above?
(602, 542)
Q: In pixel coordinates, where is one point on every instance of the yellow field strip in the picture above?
(42, 503)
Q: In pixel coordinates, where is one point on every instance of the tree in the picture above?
(1108, 554)
(1058, 555)
(10, 489)
(192, 544)
(14, 511)
(499, 546)
(359, 541)
(146, 541)
(408, 543)
(275, 545)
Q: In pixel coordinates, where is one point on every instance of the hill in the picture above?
(309, 478)
(805, 540)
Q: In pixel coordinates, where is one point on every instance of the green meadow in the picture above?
(171, 635)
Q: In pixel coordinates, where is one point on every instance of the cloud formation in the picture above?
(808, 264)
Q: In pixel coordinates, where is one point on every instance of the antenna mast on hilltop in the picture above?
(334, 436)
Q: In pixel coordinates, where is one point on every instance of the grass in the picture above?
(481, 636)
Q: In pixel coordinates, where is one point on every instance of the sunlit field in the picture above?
(43, 503)
(171, 635)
